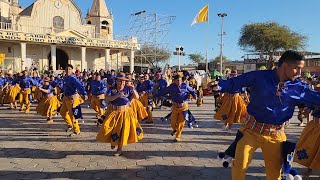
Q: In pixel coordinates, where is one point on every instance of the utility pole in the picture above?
(222, 33)
(179, 52)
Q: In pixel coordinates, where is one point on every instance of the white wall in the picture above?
(249, 67)
(43, 13)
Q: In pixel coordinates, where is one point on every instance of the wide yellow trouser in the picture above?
(1, 96)
(24, 99)
(271, 149)
(48, 106)
(67, 113)
(145, 102)
(120, 128)
(33, 90)
(178, 120)
(307, 149)
(96, 105)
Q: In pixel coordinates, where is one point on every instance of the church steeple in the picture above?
(99, 8)
(101, 18)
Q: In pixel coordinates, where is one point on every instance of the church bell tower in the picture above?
(101, 18)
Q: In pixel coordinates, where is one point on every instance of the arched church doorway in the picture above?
(62, 59)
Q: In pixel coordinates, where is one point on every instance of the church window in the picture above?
(104, 24)
(89, 22)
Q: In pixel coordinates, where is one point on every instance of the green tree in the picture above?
(196, 58)
(152, 54)
(217, 59)
(269, 37)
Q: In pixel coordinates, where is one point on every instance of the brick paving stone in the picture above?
(146, 163)
(147, 174)
(81, 175)
(52, 170)
(31, 149)
(161, 178)
(127, 163)
(13, 176)
(168, 173)
(165, 162)
(25, 169)
(79, 169)
(36, 176)
(182, 162)
(157, 168)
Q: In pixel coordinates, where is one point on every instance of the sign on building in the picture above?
(62, 40)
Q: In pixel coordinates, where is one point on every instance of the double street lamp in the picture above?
(179, 52)
(222, 15)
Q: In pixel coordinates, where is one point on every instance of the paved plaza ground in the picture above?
(32, 149)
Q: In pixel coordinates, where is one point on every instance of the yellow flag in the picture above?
(202, 16)
(2, 56)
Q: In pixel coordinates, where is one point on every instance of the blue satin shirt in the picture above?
(121, 101)
(50, 88)
(162, 84)
(98, 87)
(72, 85)
(177, 94)
(146, 86)
(26, 82)
(265, 105)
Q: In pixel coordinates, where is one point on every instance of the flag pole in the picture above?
(207, 40)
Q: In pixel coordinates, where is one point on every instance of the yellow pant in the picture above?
(199, 101)
(271, 149)
(1, 96)
(33, 90)
(24, 99)
(67, 114)
(96, 105)
(178, 120)
(145, 102)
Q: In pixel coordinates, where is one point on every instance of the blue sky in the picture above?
(300, 16)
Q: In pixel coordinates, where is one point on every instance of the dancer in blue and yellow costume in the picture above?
(14, 89)
(162, 84)
(121, 126)
(54, 85)
(72, 100)
(25, 83)
(59, 86)
(36, 93)
(179, 93)
(49, 104)
(98, 88)
(135, 103)
(273, 97)
(145, 90)
(233, 108)
(4, 86)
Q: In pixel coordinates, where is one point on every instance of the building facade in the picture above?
(52, 34)
(253, 62)
(233, 65)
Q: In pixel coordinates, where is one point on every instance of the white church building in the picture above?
(53, 33)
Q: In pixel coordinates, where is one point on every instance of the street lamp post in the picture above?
(222, 15)
(179, 52)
